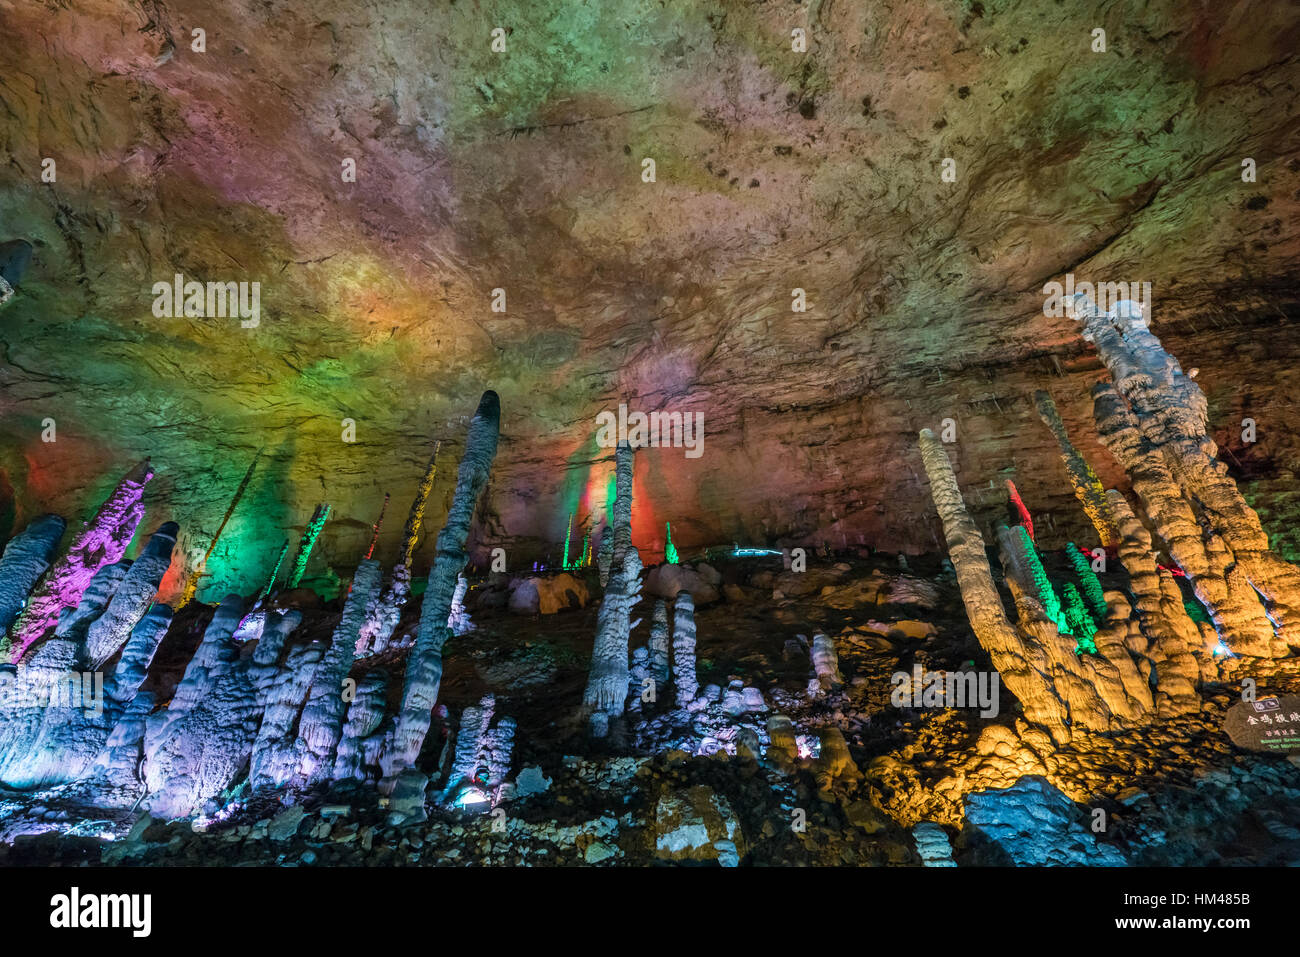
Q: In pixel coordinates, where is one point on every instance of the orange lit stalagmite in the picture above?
(1059, 690)
(1154, 418)
(1087, 486)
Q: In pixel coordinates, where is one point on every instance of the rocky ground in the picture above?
(932, 785)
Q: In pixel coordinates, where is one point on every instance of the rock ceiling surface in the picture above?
(522, 170)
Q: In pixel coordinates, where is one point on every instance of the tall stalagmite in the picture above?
(607, 681)
(1154, 419)
(26, 558)
(1087, 486)
(424, 663)
(102, 542)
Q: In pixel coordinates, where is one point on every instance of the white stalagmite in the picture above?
(424, 663)
(686, 684)
(74, 622)
(132, 597)
(26, 558)
(607, 679)
(660, 645)
(826, 663)
(469, 758)
(355, 759)
(321, 725)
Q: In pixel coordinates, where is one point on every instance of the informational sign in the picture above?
(1266, 724)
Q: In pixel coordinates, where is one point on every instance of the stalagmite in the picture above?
(309, 536)
(56, 720)
(1021, 512)
(826, 663)
(458, 619)
(1237, 613)
(1174, 643)
(1170, 411)
(196, 747)
(1058, 689)
(474, 723)
(686, 684)
(415, 518)
(103, 542)
(192, 582)
(281, 691)
(132, 597)
(783, 747)
(834, 767)
(497, 747)
(605, 555)
(275, 570)
(638, 675)
(356, 758)
(659, 645)
(424, 663)
(1087, 487)
(607, 679)
(26, 558)
(75, 622)
(321, 724)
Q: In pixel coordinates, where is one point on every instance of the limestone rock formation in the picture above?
(132, 597)
(685, 683)
(26, 558)
(424, 664)
(607, 680)
(102, 542)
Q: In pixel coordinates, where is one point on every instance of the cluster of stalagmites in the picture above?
(289, 716)
(1128, 658)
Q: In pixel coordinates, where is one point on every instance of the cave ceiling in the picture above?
(522, 170)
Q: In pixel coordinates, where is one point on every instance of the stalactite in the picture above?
(424, 663)
(1025, 519)
(132, 597)
(192, 582)
(26, 558)
(309, 536)
(685, 683)
(1087, 486)
(103, 542)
